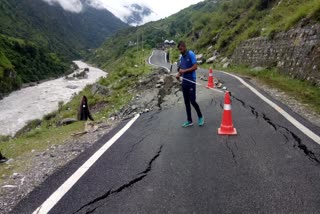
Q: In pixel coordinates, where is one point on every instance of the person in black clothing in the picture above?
(84, 113)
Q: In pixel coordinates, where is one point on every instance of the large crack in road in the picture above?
(140, 176)
(297, 142)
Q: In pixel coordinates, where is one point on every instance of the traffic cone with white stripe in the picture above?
(227, 124)
(210, 79)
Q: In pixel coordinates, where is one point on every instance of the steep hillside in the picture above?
(23, 62)
(51, 26)
(38, 40)
(216, 25)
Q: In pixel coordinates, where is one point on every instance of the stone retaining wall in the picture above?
(296, 53)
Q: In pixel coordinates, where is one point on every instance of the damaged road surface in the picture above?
(158, 167)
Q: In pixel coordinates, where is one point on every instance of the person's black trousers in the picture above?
(189, 95)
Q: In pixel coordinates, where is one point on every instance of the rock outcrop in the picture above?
(296, 53)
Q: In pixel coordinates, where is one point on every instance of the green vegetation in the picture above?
(39, 135)
(221, 24)
(64, 33)
(38, 40)
(23, 62)
(233, 21)
(303, 91)
(38, 139)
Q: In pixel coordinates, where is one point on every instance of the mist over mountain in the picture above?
(138, 14)
(135, 13)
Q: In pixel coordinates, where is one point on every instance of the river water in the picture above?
(34, 102)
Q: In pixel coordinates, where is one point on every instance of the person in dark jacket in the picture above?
(84, 113)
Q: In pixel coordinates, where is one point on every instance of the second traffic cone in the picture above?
(210, 79)
(227, 124)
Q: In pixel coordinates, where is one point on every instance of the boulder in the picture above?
(199, 56)
(161, 81)
(100, 89)
(72, 86)
(226, 65)
(258, 69)
(86, 70)
(67, 121)
(211, 60)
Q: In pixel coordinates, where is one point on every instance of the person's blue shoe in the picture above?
(187, 124)
(201, 121)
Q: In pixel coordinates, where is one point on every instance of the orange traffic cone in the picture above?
(210, 79)
(227, 124)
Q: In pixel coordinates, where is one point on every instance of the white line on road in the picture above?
(281, 111)
(157, 65)
(72, 180)
(292, 120)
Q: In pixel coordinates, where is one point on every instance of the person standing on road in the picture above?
(187, 69)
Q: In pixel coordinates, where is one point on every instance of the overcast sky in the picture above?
(161, 8)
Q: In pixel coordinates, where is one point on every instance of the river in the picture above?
(34, 102)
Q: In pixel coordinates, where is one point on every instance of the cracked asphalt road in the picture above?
(158, 167)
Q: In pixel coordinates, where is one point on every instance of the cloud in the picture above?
(69, 5)
(122, 9)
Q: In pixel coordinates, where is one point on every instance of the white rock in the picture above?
(257, 69)
(199, 56)
(72, 86)
(10, 161)
(160, 81)
(9, 186)
(212, 59)
(226, 65)
(224, 60)
(15, 175)
(134, 107)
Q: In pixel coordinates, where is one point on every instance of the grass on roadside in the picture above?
(39, 140)
(303, 91)
(42, 134)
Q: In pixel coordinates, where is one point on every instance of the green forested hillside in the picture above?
(38, 40)
(22, 62)
(63, 32)
(222, 24)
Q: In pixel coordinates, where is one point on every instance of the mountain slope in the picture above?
(38, 40)
(23, 62)
(214, 26)
(61, 31)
